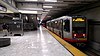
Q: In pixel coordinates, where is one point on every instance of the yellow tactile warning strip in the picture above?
(68, 46)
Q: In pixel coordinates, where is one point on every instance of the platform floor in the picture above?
(34, 43)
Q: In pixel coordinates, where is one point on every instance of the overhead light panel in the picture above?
(31, 0)
(34, 9)
(47, 7)
(29, 12)
(50, 0)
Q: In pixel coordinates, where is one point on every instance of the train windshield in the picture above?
(79, 30)
(66, 24)
(78, 24)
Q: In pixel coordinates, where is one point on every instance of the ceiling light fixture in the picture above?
(46, 10)
(50, 0)
(29, 12)
(31, 0)
(47, 7)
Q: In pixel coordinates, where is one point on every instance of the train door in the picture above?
(52, 25)
(57, 28)
(49, 25)
(67, 28)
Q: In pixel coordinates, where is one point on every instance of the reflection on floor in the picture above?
(34, 43)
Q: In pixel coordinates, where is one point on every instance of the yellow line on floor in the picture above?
(68, 46)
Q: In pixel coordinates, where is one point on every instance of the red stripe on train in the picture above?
(74, 40)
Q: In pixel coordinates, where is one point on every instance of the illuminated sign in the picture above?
(79, 19)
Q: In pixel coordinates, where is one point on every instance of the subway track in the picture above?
(90, 51)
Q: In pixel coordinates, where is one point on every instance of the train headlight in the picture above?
(74, 35)
(83, 34)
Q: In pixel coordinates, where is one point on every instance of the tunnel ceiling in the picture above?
(56, 8)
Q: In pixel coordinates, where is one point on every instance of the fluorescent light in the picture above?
(47, 7)
(26, 11)
(47, 10)
(35, 9)
(31, 0)
(50, 0)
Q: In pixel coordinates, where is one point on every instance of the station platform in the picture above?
(34, 43)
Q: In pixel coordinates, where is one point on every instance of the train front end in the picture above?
(79, 30)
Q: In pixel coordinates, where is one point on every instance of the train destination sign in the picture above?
(78, 19)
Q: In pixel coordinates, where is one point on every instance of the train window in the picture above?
(79, 30)
(50, 24)
(59, 25)
(66, 24)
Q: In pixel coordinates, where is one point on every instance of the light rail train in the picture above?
(72, 29)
